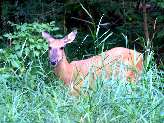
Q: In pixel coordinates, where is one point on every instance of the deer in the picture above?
(74, 73)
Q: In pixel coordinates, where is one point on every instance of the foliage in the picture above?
(31, 93)
(26, 50)
(119, 16)
(26, 40)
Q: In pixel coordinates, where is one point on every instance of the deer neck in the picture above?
(64, 71)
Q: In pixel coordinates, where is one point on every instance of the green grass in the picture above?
(39, 97)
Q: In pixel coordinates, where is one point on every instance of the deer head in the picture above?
(56, 46)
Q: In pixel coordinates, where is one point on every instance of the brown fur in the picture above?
(75, 72)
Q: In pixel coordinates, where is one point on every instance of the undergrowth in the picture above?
(31, 93)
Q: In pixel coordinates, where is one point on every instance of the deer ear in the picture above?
(70, 37)
(47, 36)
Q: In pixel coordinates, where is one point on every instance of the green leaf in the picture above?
(19, 54)
(4, 76)
(8, 35)
(38, 46)
(52, 22)
(1, 50)
(40, 40)
(15, 63)
(31, 40)
(36, 53)
(17, 46)
(24, 27)
(27, 51)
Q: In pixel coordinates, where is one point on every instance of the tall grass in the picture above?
(112, 101)
(31, 93)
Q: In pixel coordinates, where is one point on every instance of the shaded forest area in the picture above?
(141, 21)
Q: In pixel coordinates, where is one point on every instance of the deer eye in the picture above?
(49, 48)
(61, 48)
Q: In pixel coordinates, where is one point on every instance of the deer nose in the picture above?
(54, 62)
